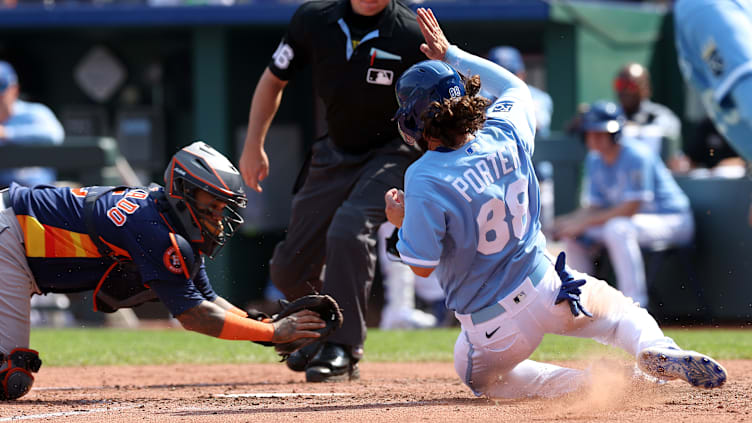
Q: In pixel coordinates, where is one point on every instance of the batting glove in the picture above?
(570, 288)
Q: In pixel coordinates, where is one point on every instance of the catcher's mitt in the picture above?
(326, 307)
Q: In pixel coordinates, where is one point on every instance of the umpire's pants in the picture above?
(334, 219)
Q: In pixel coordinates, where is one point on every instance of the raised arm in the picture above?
(495, 79)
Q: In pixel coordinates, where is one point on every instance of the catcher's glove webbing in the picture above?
(326, 307)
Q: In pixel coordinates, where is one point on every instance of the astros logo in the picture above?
(171, 261)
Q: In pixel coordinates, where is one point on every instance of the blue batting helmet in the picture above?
(603, 116)
(507, 57)
(419, 86)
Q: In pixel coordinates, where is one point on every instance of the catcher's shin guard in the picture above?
(16, 378)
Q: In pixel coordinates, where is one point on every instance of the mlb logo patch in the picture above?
(503, 106)
(379, 76)
(471, 149)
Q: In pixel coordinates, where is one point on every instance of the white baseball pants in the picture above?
(492, 357)
(623, 237)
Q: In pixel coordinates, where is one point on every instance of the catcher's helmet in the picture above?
(199, 166)
(603, 116)
(419, 86)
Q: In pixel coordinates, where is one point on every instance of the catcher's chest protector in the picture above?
(121, 285)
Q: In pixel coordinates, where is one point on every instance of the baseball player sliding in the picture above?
(470, 211)
(130, 245)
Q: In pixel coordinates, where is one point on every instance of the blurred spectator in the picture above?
(25, 123)
(510, 58)
(651, 123)
(630, 201)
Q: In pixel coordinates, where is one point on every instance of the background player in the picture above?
(650, 123)
(470, 211)
(630, 201)
(24, 123)
(510, 59)
(715, 55)
(130, 245)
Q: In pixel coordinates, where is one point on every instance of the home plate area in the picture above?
(386, 392)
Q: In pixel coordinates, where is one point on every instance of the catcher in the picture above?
(131, 245)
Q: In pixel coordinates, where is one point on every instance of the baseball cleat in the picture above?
(694, 368)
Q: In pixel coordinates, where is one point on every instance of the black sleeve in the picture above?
(292, 53)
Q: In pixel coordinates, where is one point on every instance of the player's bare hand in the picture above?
(254, 166)
(297, 325)
(395, 206)
(436, 44)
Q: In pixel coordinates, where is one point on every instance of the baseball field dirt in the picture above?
(386, 392)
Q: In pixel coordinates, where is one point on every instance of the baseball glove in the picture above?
(326, 307)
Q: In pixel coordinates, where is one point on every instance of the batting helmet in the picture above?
(419, 86)
(603, 116)
(507, 57)
(199, 166)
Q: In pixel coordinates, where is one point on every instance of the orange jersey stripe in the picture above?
(49, 241)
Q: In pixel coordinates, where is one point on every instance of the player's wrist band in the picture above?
(244, 329)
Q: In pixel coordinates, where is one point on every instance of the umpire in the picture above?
(358, 49)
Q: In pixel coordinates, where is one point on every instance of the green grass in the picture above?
(76, 347)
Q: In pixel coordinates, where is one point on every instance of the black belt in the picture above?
(4, 199)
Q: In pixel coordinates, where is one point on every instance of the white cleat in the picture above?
(694, 368)
(406, 318)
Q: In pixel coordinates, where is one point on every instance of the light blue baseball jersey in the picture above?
(544, 108)
(715, 53)
(30, 123)
(473, 213)
(637, 174)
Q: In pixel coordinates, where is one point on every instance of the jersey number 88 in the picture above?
(492, 218)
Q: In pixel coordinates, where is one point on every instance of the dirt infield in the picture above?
(387, 392)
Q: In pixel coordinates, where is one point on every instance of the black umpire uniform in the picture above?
(331, 237)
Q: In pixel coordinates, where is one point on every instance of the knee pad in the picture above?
(16, 380)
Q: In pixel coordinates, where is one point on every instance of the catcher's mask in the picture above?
(208, 224)
(418, 87)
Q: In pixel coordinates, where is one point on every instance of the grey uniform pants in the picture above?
(16, 284)
(334, 220)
